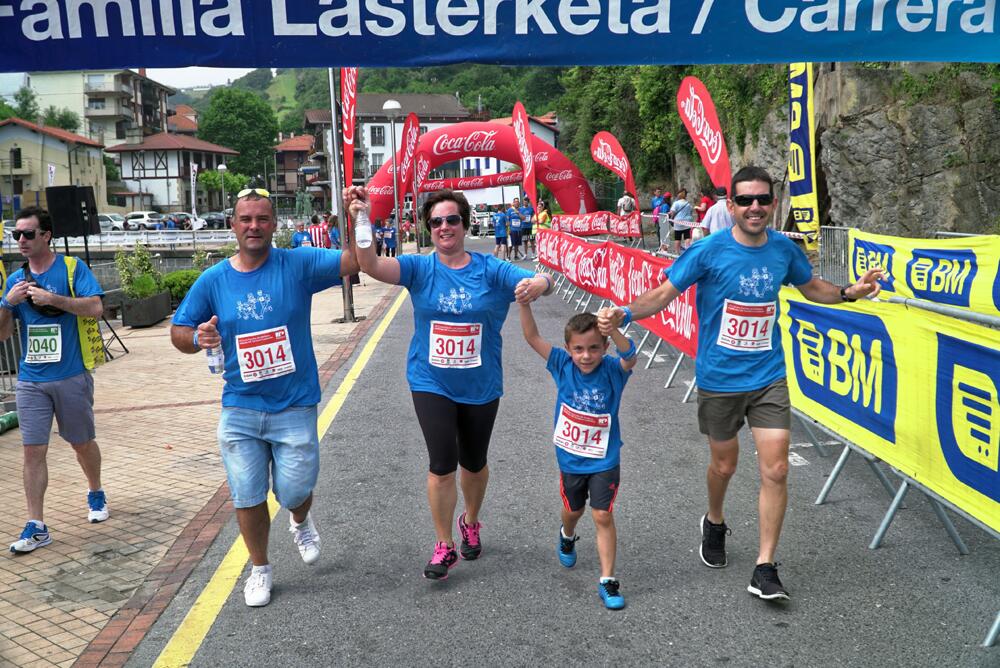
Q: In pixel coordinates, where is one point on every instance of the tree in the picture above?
(240, 120)
(26, 104)
(211, 180)
(61, 118)
(6, 111)
(111, 171)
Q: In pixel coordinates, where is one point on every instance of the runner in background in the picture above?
(377, 229)
(454, 366)
(500, 234)
(527, 231)
(389, 241)
(515, 223)
(257, 306)
(681, 217)
(740, 365)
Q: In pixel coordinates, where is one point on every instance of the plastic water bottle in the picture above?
(216, 359)
(363, 230)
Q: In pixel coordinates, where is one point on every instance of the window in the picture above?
(378, 135)
(96, 103)
(18, 187)
(376, 163)
(281, 180)
(95, 80)
(423, 129)
(15, 157)
(120, 130)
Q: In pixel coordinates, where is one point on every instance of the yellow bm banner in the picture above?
(916, 389)
(964, 272)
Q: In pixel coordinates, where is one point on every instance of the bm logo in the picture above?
(845, 362)
(942, 276)
(869, 255)
(968, 412)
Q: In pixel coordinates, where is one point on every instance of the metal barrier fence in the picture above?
(152, 238)
(834, 254)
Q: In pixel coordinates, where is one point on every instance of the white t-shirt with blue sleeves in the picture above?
(596, 393)
(456, 350)
(739, 347)
(253, 308)
(56, 281)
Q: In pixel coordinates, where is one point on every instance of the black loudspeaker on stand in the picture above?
(74, 214)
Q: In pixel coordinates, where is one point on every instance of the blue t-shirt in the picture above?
(597, 392)
(55, 280)
(500, 224)
(746, 354)
(656, 202)
(300, 238)
(275, 294)
(481, 293)
(389, 237)
(526, 213)
(334, 236)
(514, 216)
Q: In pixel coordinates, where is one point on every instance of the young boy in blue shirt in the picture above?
(587, 436)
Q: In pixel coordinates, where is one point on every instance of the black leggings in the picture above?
(455, 433)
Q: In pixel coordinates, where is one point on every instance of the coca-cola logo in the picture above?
(412, 133)
(471, 184)
(542, 156)
(564, 175)
(380, 191)
(709, 138)
(479, 141)
(509, 177)
(349, 86)
(422, 170)
(520, 131)
(606, 155)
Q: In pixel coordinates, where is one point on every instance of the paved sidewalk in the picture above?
(156, 412)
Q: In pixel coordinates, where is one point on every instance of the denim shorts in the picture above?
(70, 400)
(258, 448)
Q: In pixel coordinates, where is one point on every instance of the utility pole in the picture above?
(336, 182)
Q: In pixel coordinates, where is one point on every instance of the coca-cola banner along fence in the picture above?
(620, 274)
(478, 139)
(599, 222)
(607, 150)
(472, 182)
(697, 110)
(348, 99)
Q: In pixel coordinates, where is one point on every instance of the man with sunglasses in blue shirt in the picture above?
(740, 365)
(256, 305)
(49, 295)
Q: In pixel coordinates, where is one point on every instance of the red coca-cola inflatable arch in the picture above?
(488, 140)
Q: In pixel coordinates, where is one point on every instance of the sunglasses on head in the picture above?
(27, 234)
(746, 200)
(247, 191)
(438, 221)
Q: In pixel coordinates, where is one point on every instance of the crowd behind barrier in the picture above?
(876, 376)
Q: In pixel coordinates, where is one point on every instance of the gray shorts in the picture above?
(71, 400)
(721, 414)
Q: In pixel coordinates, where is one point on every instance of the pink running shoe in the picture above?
(444, 558)
(471, 547)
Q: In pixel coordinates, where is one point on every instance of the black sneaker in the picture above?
(471, 545)
(444, 558)
(713, 543)
(765, 583)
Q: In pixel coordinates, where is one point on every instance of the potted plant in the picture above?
(146, 301)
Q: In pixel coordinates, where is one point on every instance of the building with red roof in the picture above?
(292, 166)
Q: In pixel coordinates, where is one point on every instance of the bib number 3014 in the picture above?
(746, 326)
(44, 344)
(455, 345)
(265, 354)
(582, 434)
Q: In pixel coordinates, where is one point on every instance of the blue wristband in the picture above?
(195, 339)
(628, 315)
(548, 281)
(630, 353)
(6, 304)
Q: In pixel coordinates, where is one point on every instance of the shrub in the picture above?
(179, 282)
(143, 286)
(200, 259)
(135, 265)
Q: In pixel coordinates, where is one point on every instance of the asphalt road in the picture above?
(914, 602)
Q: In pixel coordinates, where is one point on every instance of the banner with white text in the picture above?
(802, 152)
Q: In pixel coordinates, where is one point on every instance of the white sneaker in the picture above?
(306, 538)
(97, 505)
(257, 590)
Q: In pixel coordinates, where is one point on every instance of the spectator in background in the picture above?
(682, 218)
(626, 205)
(319, 233)
(656, 202)
(301, 237)
(544, 217)
(334, 233)
(378, 237)
(718, 217)
(704, 204)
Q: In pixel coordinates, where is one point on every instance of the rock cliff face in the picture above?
(887, 163)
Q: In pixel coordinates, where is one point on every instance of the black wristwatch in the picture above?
(843, 295)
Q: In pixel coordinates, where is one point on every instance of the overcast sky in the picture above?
(185, 77)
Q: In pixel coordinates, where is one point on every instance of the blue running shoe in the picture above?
(98, 506)
(32, 538)
(610, 591)
(567, 550)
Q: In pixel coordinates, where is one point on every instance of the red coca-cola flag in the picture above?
(695, 106)
(606, 150)
(472, 182)
(348, 104)
(421, 169)
(522, 132)
(407, 149)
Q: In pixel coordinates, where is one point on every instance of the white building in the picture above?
(158, 175)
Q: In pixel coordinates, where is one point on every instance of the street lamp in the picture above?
(392, 109)
(222, 177)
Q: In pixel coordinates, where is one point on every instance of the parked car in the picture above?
(111, 221)
(229, 216)
(216, 220)
(186, 221)
(143, 220)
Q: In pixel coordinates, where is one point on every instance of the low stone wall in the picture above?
(102, 263)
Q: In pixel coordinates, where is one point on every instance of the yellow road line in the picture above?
(188, 637)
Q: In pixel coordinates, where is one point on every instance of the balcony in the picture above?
(107, 88)
(113, 112)
(27, 166)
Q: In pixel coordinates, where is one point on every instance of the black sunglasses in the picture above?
(438, 221)
(764, 199)
(27, 234)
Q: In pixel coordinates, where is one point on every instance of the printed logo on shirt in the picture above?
(590, 399)
(255, 306)
(760, 283)
(455, 302)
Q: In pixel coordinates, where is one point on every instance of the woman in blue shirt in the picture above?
(454, 365)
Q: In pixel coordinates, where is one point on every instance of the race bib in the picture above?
(265, 354)
(746, 326)
(455, 345)
(307, 241)
(582, 434)
(44, 344)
